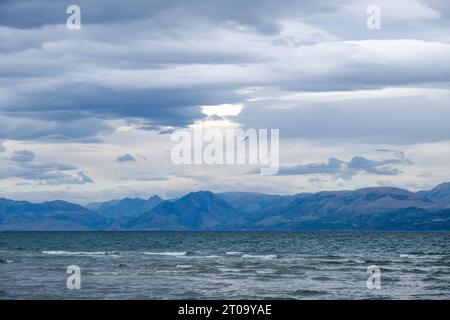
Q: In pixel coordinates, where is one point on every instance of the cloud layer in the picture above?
(102, 101)
(67, 84)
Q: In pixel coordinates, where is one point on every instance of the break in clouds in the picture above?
(309, 68)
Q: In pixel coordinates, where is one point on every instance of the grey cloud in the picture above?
(126, 158)
(167, 131)
(80, 112)
(23, 156)
(80, 178)
(346, 170)
(84, 178)
(31, 14)
(150, 127)
(64, 86)
(2, 147)
(159, 129)
(165, 107)
(40, 126)
(215, 117)
(392, 120)
(361, 164)
(333, 166)
(399, 154)
(23, 165)
(262, 18)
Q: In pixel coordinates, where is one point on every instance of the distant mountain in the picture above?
(195, 211)
(96, 205)
(440, 193)
(249, 203)
(363, 209)
(127, 207)
(47, 216)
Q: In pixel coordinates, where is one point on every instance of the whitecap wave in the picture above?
(6, 260)
(422, 256)
(169, 253)
(106, 273)
(82, 253)
(265, 271)
(213, 256)
(259, 256)
(229, 270)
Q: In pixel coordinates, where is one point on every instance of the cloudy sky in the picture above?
(87, 115)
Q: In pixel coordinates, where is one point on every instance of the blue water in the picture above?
(224, 265)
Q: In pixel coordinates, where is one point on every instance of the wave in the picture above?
(213, 256)
(229, 270)
(256, 256)
(265, 271)
(422, 256)
(82, 253)
(182, 271)
(6, 260)
(170, 253)
(105, 273)
(233, 252)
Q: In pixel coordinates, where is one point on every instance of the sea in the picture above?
(224, 265)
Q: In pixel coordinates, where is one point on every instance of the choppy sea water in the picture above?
(224, 265)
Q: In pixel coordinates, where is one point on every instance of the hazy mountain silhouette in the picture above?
(127, 207)
(201, 210)
(364, 209)
(49, 216)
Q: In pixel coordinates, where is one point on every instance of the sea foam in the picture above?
(172, 253)
(81, 253)
(256, 256)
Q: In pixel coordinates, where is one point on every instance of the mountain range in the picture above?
(379, 208)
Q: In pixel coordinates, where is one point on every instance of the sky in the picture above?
(87, 114)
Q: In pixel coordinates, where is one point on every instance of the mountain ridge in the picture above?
(373, 208)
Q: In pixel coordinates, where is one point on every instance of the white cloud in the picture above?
(223, 110)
